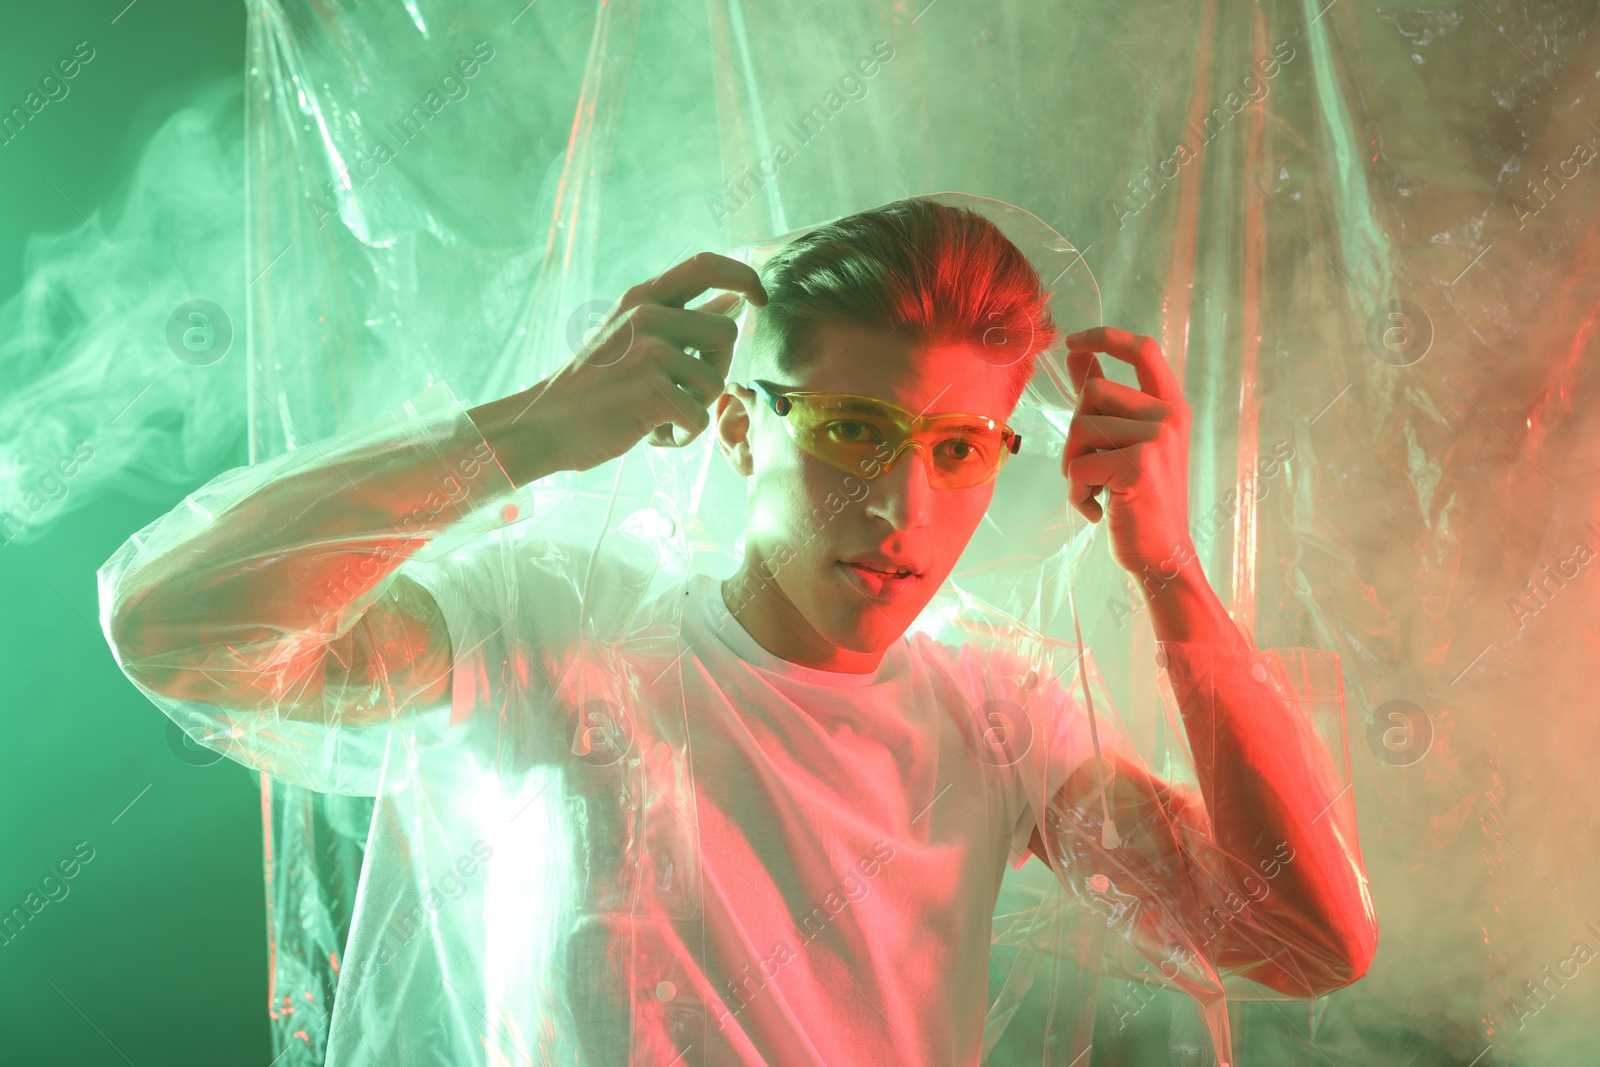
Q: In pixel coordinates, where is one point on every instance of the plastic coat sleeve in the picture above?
(1293, 912)
(265, 607)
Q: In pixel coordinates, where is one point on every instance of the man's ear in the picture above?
(731, 418)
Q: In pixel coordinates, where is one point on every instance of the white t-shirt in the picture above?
(853, 830)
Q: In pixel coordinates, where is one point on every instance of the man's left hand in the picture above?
(1133, 443)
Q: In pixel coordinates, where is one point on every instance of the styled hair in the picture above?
(927, 271)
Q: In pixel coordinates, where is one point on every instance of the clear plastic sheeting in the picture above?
(452, 194)
(539, 879)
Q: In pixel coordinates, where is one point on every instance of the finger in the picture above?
(1094, 433)
(708, 333)
(698, 377)
(1082, 366)
(1115, 466)
(672, 435)
(678, 285)
(1143, 353)
(680, 410)
(728, 304)
(1087, 475)
(1107, 397)
(1081, 494)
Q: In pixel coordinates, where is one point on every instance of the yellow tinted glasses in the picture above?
(867, 436)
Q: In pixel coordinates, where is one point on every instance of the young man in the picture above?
(759, 832)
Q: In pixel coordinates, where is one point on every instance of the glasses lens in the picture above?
(859, 434)
(963, 454)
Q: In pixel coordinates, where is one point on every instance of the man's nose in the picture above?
(901, 494)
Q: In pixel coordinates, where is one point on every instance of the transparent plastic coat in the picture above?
(533, 832)
(537, 832)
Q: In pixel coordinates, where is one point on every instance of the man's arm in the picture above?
(1268, 786)
(273, 589)
(1256, 869)
(1269, 795)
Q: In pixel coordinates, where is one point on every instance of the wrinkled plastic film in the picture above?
(426, 272)
(217, 591)
(528, 712)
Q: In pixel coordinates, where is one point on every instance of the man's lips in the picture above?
(888, 572)
(884, 565)
(877, 584)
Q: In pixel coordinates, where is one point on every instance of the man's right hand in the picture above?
(633, 378)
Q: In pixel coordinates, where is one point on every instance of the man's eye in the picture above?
(963, 450)
(852, 432)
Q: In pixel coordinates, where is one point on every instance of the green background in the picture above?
(157, 955)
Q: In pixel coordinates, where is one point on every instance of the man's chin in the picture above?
(868, 630)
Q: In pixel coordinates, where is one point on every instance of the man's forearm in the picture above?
(1263, 772)
(266, 559)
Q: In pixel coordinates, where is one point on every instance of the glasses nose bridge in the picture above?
(906, 505)
(911, 444)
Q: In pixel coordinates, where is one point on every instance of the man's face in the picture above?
(795, 593)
